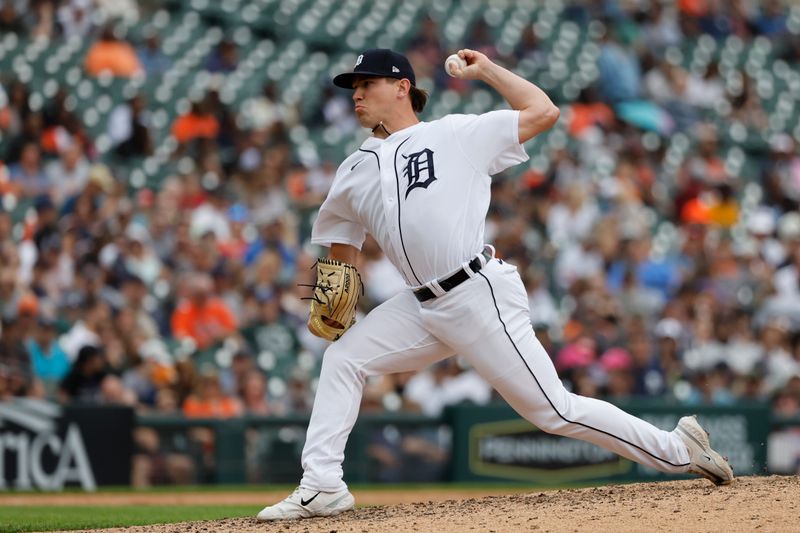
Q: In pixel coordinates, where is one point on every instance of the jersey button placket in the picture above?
(388, 186)
(390, 207)
(391, 212)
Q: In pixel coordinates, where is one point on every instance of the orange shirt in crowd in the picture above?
(693, 8)
(585, 115)
(5, 118)
(205, 324)
(724, 213)
(223, 407)
(192, 126)
(695, 211)
(6, 185)
(117, 56)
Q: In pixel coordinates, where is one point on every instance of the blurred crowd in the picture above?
(187, 297)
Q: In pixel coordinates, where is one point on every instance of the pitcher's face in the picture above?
(374, 98)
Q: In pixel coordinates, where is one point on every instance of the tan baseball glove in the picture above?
(333, 304)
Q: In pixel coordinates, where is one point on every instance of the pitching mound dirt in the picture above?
(755, 503)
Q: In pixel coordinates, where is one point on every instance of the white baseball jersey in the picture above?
(423, 192)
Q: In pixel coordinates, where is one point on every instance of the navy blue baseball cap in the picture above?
(380, 62)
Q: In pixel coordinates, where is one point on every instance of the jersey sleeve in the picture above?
(336, 223)
(490, 141)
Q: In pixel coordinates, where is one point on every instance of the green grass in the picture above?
(50, 518)
(173, 489)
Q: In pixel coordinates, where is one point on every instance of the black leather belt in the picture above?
(451, 282)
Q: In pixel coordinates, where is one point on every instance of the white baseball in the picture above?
(454, 62)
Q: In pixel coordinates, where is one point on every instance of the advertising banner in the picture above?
(494, 443)
(45, 446)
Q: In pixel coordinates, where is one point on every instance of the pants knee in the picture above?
(339, 360)
(547, 421)
(549, 416)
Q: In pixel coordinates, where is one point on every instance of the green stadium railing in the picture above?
(526, 454)
(231, 438)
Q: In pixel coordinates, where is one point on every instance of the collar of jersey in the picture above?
(374, 141)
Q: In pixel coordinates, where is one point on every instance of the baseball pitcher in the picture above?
(421, 189)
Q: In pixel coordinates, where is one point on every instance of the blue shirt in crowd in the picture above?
(49, 365)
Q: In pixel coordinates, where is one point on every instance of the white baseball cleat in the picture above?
(705, 461)
(307, 503)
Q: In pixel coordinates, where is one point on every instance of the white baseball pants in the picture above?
(485, 320)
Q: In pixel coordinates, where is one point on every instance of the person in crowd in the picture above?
(209, 401)
(50, 362)
(114, 55)
(197, 125)
(224, 58)
(84, 382)
(129, 129)
(29, 173)
(11, 20)
(200, 315)
(154, 61)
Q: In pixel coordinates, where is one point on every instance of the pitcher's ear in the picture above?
(403, 87)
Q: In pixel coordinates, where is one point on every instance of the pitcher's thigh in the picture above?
(391, 338)
(495, 335)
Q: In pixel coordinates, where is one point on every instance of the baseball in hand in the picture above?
(452, 63)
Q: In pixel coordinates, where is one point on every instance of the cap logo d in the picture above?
(395, 69)
(359, 60)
